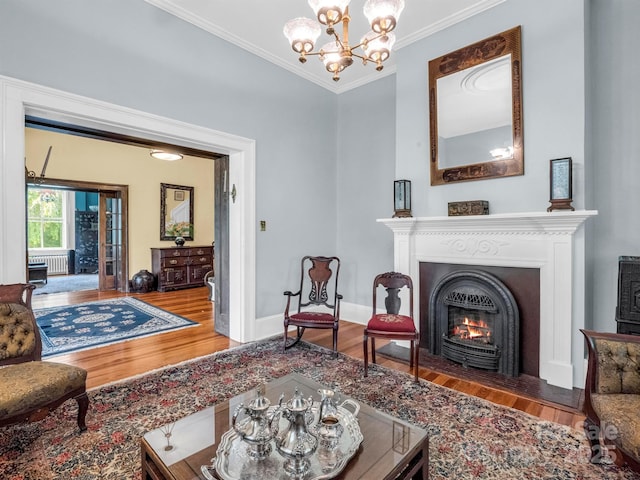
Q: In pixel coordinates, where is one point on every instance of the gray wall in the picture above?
(323, 179)
(580, 99)
(614, 144)
(553, 105)
(133, 54)
(366, 170)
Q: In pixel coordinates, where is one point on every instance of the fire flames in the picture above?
(477, 330)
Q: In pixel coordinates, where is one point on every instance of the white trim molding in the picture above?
(552, 242)
(19, 98)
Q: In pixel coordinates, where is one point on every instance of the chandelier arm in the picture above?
(369, 40)
(339, 41)
(361, 57)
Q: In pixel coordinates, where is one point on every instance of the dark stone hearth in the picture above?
(524, 385)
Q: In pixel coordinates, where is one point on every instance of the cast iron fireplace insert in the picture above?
(474, 320)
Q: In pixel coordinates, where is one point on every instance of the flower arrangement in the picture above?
(179, 229)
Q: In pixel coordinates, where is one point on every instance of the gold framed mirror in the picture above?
(475, 111)
(176, 212)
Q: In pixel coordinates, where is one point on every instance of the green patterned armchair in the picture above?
(31, 388)
(612, 397)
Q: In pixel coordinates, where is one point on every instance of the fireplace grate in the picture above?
(470, 301)
(487, 356)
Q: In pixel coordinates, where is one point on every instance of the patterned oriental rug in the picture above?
(78, 327)
(470, 437)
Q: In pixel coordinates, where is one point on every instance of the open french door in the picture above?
(221, 247)
(111, 275)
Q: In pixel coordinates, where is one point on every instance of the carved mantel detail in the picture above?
(473, 246)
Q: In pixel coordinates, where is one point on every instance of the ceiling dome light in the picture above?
(163, 155)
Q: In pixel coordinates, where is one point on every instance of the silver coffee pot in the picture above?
(257, 428)
(295, 442)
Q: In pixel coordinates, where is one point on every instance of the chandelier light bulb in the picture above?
(329, 12)
(378, 48)
(339, 54)
(383, 15)
(302, 34)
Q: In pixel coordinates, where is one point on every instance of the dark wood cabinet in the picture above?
(181, 267)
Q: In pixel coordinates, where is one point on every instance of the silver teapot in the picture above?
(257, 428)
(296, 443)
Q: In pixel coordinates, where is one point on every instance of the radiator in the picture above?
(56, 264)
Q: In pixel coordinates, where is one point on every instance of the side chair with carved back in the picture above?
(392, 325)
(30, 387)
(316, 304)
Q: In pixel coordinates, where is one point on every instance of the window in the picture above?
(46, 218)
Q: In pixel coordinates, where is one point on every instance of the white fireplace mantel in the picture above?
(552, 242)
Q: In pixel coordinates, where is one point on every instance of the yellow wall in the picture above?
(79, 158)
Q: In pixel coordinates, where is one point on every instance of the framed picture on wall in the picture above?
(178, 195)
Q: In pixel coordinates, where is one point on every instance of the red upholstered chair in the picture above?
(29, 387)
(392, 325)
(318, 300)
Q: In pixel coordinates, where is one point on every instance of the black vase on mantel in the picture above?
(179, 241)
(142, 282)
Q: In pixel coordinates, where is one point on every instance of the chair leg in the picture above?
(365, 342)
(284, 344)
(83, 407)
(411, 355)
(299, 333)
(335, 341)
(592, 432)
(416, 361)
(373, 350)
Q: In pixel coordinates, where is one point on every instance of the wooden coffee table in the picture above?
(391, 449)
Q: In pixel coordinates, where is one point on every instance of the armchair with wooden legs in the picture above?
(31, 388)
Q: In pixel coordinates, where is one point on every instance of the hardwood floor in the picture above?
(126, 359)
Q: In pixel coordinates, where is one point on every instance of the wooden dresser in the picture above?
(181, 267)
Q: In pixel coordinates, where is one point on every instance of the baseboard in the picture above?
(349, 312)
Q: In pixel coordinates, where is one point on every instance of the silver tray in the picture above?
(232, 462)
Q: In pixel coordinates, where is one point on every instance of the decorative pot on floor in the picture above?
(142, 282)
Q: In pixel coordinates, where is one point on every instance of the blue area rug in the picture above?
(86, 325)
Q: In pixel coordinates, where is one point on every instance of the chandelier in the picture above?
(337, 55)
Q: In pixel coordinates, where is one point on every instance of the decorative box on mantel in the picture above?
(470, 207)
(551, 242)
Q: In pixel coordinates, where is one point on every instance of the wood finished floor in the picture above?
(126, 359)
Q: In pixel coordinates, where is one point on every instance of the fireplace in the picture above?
(549, 243)
(474, 320)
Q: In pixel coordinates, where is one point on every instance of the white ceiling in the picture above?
(256, 25)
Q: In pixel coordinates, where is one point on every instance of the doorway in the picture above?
(20, 98)
(92, 243)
